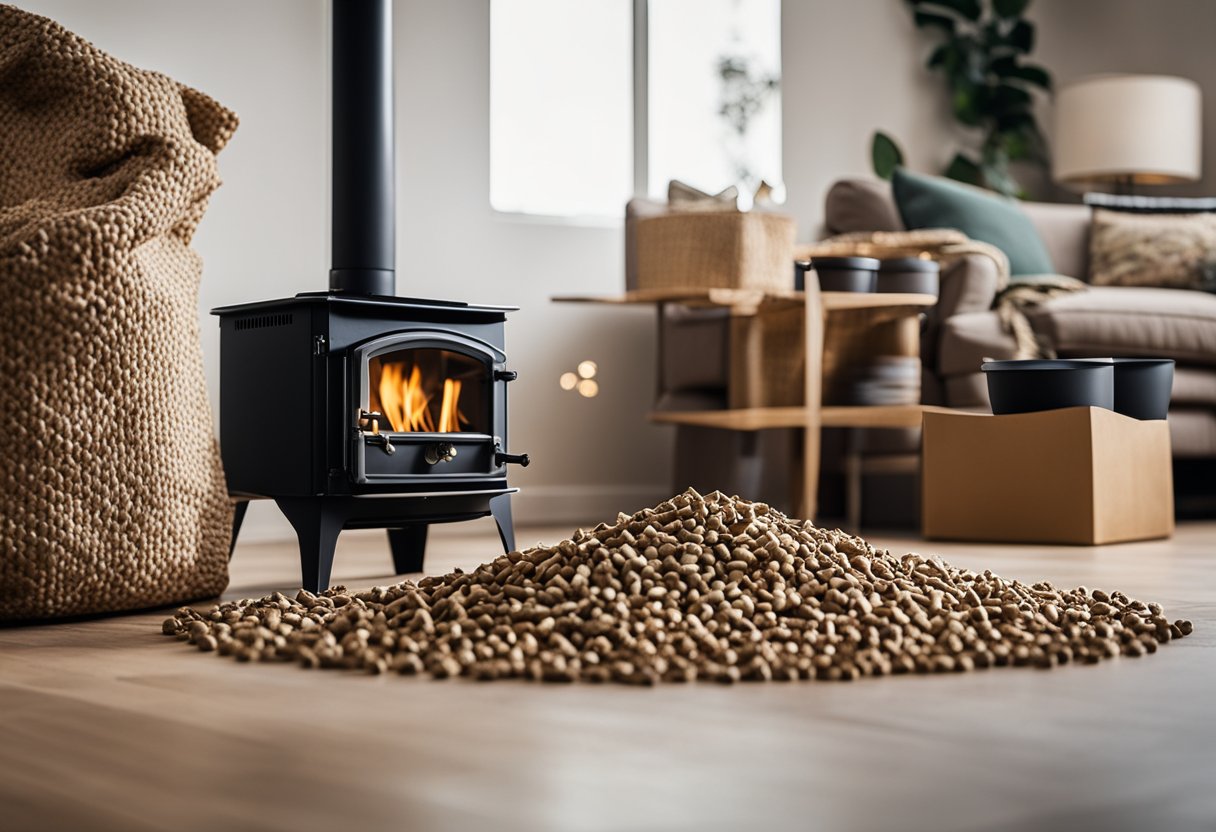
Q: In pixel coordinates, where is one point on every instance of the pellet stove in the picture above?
(354, 408)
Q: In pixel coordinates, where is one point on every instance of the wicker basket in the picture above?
(714, 250)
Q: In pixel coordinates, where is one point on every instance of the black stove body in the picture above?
(354, 408)
(358, 412)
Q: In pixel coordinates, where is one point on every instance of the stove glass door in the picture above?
(430, 390)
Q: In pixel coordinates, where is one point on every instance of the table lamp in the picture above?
(1128, 130)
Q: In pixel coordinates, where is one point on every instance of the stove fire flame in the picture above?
(407, 404)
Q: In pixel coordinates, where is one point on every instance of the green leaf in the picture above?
(968, 9)
(1032, 74)
(963, 169)
(960, 57)
(965, 103)
(1007, 98)
(1020, 143)
(1015, 120)
(885, 155)
(1008, 68)
(1009, 9)
(928, 20)
(1003, 66)
(1021, 36)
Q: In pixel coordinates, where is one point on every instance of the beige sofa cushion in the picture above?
(1170, 323)
(1065, 231)
(969, 391)
(968, 339)
(861, 205)
(1194, 386)
(1174, 251)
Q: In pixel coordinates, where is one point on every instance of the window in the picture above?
(561, 106)
(714, 96)
(562, 135)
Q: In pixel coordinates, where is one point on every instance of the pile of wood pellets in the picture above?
(696, 588)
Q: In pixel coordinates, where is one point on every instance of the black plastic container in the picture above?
(1142, 386)
(1049, 384)
(846, 274)
(909, 274)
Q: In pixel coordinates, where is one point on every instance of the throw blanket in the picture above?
(112, 495)
(1013, 302)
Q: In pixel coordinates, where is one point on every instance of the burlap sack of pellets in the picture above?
(112, 494)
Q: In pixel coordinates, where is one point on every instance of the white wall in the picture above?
(848, 69)
(266, 233)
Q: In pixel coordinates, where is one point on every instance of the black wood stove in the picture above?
(354, 408)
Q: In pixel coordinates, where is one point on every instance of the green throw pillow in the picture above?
(933, 202)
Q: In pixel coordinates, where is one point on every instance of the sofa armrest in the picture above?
(968, 284)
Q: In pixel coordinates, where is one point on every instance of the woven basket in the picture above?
(714, 250)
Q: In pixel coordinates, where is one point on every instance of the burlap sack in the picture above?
(112, 494)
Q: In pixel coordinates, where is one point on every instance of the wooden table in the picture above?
(812, 415)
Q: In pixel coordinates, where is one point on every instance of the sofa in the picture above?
(963, 330)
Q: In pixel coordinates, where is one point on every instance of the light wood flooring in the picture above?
(109, 725)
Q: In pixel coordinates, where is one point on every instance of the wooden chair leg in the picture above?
(853, 481)
(813, 399)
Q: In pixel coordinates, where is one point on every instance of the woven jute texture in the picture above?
(112, 494)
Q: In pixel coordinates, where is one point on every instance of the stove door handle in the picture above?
(505, 375)
(501, 459)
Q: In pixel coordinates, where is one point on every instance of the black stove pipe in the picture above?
(364, 211)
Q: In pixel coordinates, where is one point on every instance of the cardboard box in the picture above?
(1081, 475)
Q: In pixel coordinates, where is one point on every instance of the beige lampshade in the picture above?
(1139, 129)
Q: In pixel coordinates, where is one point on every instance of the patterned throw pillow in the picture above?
(1176, 251)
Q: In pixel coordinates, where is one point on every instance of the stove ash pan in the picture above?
(331, 395)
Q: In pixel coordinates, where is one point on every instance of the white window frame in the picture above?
(641, 136)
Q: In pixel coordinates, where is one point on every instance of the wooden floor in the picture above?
(109, 725)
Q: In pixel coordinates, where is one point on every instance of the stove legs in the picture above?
(409, 547)
(500, 507)
(319, 520)
(318, 524)
(238, 517)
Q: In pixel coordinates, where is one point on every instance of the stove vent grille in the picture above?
(264, 321)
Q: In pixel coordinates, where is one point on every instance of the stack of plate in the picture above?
(883, 380)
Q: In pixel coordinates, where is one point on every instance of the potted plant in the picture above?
(982, 54)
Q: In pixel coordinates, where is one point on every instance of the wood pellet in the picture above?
(697, 588)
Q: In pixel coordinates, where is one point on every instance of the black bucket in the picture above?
(909, 274)
(1142, 386)
(846, 274)
(1049, 384)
